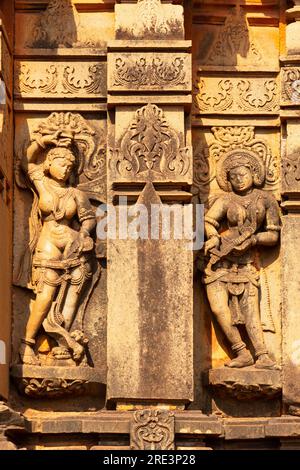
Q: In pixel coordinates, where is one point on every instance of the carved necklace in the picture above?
(60, 196)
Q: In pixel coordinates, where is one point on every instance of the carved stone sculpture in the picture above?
(60, 255)
(152, 430)
(238, 221)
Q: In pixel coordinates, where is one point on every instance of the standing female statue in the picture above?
(62, 246)
(244, 217)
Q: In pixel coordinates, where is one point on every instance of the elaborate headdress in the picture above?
(236, 158)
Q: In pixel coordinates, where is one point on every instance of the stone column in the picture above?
(150, 311)
(290, 101)
(6, 166)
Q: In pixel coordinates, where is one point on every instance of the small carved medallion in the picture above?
(152, 430)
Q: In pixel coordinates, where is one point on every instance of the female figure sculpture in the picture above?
(62, 248)
(231, 276)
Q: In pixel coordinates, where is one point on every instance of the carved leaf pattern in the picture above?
(157, 72)
(234, 39)
(152, 430)
(86, 79)
(92, 84)
(27, 82)
(151, 146)
(235, 95)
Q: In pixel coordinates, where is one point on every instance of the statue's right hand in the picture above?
(213, 242)
(50, 139)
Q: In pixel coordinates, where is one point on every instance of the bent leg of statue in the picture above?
(218, 298)
(255, 331)
(38, 313)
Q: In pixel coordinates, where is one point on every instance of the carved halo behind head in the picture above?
(236, 158)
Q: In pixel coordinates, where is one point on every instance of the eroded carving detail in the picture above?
(155, 72)
(291, 85)
(59, 264)
(250, 217)
(234, 39)
(52, 388)
(59, 26)
(245, 384)
(152, 20)
(150, 146)
(152, 430)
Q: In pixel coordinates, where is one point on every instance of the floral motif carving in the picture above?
(234, 95)
(222, 101)
(155, 72)
(291, 85)
(234, 39)
(152, 20)
(59, 26)
(28, 83)
(152, 430)
(56, 26)
(92, 84)
(253, 98)
(150, 147)
(59, 79)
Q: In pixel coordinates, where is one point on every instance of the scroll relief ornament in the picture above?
(152, 430)
(239, 220)
(59, 79)
(150, 149)
(154, 71)
(64, 168)
(231, 95)
(227, 139)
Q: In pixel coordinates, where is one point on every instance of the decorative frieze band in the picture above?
(234, 95)
(54, 79)
(149, 71)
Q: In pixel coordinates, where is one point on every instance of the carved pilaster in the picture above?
(6, 165)
(149, 163)
(290, 187)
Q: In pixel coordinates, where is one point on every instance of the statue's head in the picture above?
(240, 170)
(59, 163)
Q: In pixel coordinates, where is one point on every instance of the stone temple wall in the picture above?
(108, 110)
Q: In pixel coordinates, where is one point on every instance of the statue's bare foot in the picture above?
(78, 351)
(265, 362)
(61, 352)
(243, 359)
(28, 356)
